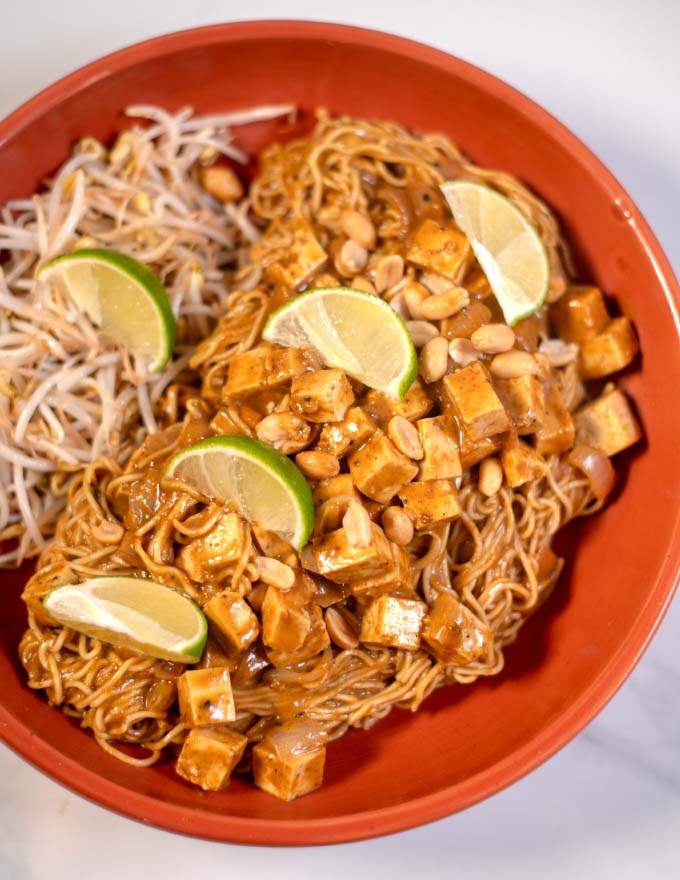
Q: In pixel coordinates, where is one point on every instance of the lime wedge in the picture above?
(507, 246)
(132, 613)
(350, 329)
(123, 297)
(265, 485)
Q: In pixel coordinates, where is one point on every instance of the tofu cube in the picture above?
(453, 634)
(287, 764)
(233, 624)
(398, 578)
(415, 404)
(340, 562)
(378, 469)
(556, 434)
(224, 544)
(393, 622)
(521, 464)
(338, 438)
(439, 247)
(464, 323)
(297, 263)
(205, 697)
(579, 314)
(474, 451)
(285, 364)
(611, 350)
(431, 502)
(524, 401)
(607, 423)
(321, 396)
(441, 456)
(285, 621)
(331, 487)
(316, 640)
(478, 407)
(209, 756)
(247, 375)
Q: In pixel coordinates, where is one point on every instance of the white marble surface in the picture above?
(607, 806)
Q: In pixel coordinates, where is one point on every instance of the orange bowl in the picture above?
(466, 742)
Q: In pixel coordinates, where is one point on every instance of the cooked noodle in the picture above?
(128, 518)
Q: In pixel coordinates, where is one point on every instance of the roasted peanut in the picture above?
(361, 283)
(284, 431)
(107, 532)
(221, 183)
(436, 284)
(443, 305)
(493, 338)
(559, 352)
(405, 437)
(414, 297)
(462, 351)
(388, 272)
(434, 359)
(352, 258)
(317, 465)
(358, 227)
(339, 630)
(490, 476)
(398, 525)
(512, 364)
(274, 573)
(357, 525)
(421, 332)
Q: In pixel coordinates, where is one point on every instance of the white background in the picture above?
(608, 806)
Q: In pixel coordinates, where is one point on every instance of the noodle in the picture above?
(123, 516)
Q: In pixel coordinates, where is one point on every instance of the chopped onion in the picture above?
(597, 468)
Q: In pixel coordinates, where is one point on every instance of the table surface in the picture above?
(608, 805)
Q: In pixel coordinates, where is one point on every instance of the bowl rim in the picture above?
(357, 826)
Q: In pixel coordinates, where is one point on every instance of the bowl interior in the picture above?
(621, 564)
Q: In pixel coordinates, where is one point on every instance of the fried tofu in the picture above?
(521, 464)
(340, 562)
(579, 314)
(431, 502)
(382, 407)
(209, 756)
(399, 577)
(393, 622)
(607, 424)
(340, 437)
(289, 761)
(285, 364)
(302, 258)
(321, 396)
(331, 487)
(222, 545)
(441, 456)
(316, 640)
(474, 451)
(556, 434)
(452, 633)
(286, 621)
(205, 697)
(478, 408)
(247, 374)
(233, 624)
(524, 401)
(611, 350)
(439, 247)
(378, 469)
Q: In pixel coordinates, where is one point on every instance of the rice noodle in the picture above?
(64, 390)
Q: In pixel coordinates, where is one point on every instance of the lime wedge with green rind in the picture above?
(121, 296)
(134, 613)
(352, 330)
(506, 244)
(265, 485)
